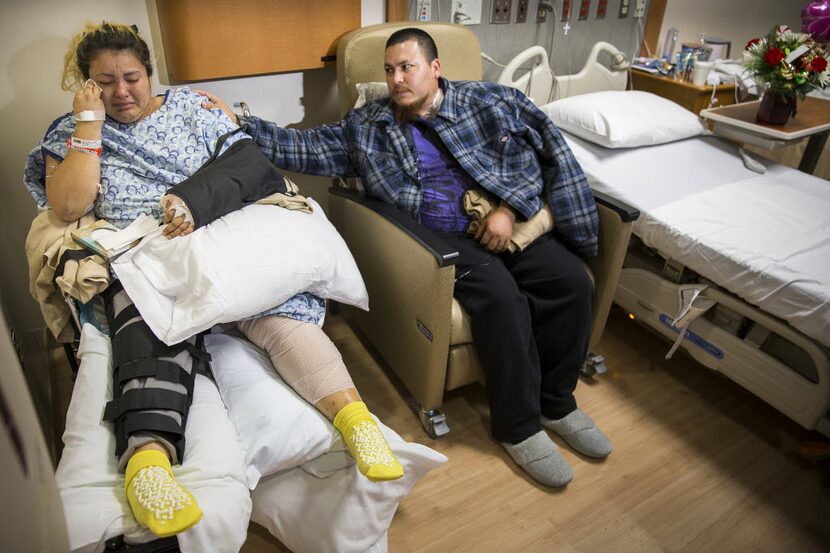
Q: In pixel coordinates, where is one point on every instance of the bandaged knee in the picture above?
(302, 354)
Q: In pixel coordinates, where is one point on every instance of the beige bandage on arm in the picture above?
(302, 354)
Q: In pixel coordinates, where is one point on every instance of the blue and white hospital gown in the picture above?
(141, 161)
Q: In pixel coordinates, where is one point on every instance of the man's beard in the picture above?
(410, 111)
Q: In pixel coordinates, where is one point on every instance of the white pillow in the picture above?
(278, 429)
(239, 265)
(317, 508)
(324, 504)
(92, 489)
(624, 119)
(369, 92)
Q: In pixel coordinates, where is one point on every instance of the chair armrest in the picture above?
(615, 221)
(409, 274)
(443, 253)
(626, 212)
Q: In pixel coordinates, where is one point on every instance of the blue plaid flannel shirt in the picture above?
(510, 147)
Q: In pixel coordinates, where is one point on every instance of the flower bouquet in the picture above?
(790, 65)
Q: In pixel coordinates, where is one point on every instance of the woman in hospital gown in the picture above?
(117, 154)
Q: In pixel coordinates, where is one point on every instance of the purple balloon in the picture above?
(815, 19)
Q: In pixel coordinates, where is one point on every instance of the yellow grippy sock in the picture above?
(374, 457)
(158, 502)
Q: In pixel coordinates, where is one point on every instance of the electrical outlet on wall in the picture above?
(466, 12)
(500, 11)
(602, 7)
(521, 11)
(624, 5)
(640, 8)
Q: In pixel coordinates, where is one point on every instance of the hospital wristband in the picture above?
(86, 146)
(90, 115)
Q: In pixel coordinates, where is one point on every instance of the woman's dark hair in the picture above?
(423, 39)
(94, 39)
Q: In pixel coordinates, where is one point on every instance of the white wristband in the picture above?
(90, 115)
(83, 143)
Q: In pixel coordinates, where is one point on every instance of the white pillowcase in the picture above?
(92, 489)
(624, 119)
(321, 508)
(369, 92)
(238, 266)
(278, 429)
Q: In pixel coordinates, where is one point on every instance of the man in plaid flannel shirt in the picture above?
(420, 150)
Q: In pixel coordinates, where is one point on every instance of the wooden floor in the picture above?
(699, 465)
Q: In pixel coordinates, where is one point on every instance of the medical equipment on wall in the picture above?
(424, 10)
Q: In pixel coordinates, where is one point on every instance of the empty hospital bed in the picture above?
(759, 242)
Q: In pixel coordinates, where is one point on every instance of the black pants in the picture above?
(531, 317)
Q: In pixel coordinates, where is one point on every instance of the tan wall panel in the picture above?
(214, 39)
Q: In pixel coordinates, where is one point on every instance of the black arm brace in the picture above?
(240, 176)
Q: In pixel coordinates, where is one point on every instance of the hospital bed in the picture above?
(254, 449)
(758, 242)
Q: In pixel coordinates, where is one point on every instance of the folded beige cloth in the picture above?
(49, 237)
(294, 201)
(478, 205)
(85, 278)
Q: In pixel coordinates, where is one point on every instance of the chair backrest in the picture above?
(360, 55)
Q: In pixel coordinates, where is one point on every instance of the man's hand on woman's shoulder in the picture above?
(215, 102)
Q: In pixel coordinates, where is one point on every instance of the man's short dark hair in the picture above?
(423, 39)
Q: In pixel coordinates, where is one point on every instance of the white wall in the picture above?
(34, 36)
(735, 20)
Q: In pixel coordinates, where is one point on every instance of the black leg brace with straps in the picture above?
(152, 382)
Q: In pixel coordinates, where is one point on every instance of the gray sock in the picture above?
(581, 433)
(540, 458)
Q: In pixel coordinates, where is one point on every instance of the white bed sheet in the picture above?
(321, 506)
(765, 238)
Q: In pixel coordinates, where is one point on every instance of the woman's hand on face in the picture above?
(213, 102)
(88, 98)
(177, 217)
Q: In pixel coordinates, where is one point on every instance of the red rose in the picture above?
(752, 43)
(773, 56)
(818, 64)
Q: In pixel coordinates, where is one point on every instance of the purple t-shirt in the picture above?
(443, 180)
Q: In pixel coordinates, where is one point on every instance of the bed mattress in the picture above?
(765, 238)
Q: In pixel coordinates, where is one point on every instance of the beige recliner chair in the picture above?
(414, 322)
